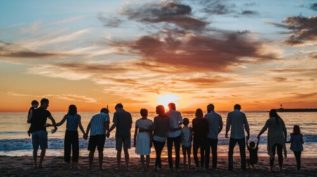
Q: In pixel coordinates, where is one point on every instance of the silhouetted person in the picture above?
(38, 130)
(237, 122)
(122, 121)
(200, 132)
(297, 142)
(34, 105)
(71, 141)
(174, 134)
(161, 128)
(186, 142)
(215, 126)
(142, 138)
(253, 153)
(276, 137)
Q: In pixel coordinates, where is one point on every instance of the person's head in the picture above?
(34, 103)
(72, 109)
(252, 144)
(160, 110)
(273, 113)
(171, 106)
(144, 113)
(104, 110)
(237, 107)
(185, 122)
(44, 103)
(199, 113)
(296, 130)
(118, 106)
(210, 107)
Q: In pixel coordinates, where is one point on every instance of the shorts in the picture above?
(123, 141)
(39, 139)
(96, 141)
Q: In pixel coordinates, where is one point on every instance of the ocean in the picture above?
(14, 140)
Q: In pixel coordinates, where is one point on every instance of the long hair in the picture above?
(72, 109)
(296, 130)
(199, 113)
(274, 114)
(160, 110)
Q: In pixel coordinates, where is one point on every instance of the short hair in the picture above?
(199, 113)
(34, 102)
(210, 107)
(185, 121)
(72, 109)
(119, 105)
(44, 101)
(160, 110)
(237, 106)
(144, 112)
(172, 106)
(104, 110)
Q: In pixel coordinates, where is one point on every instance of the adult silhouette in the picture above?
(215, 126)
(174, 134)
(238, 123)
(276, 137)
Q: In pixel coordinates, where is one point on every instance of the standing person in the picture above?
(34, 105)
(253, 153)
(174, 134)
(186, 142)
(122, 121)
(161, 128)
(237, 122)
(98, 127)
(71, 142)
(38, 130)
(142, 137)
(276, 137)
(297, 142)
(215, 125)
(200, 132)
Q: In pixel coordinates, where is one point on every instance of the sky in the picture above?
(142, 53)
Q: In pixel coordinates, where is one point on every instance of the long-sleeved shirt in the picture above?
(175, 119)
(215, 123)
(238, 122)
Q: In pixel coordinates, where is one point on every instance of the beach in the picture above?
(55, 166)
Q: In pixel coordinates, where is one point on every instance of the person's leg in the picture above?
(67, 147)
(272, 157)
(207, 153)
(142, 162)
(43, 145)
(75, 149)
(177, 142)
(91, 157)
(188, 154)
(100, 156)
(169, 152)
(156, 147)
(35, 144)
(126, 156)
(147, 161)
(202, 153)
(232, 143)
(161, 146)
(35, 157)
(119, 144)
(280, 155)
(42, 157)
(214, 145)
(241, 143)
(184, 155)
(298, 159)
(195, 151)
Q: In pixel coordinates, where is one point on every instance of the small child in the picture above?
(186, 141)
(34, 105)
(297, 142)
(253, 153)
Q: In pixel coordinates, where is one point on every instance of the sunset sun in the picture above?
(164, 99)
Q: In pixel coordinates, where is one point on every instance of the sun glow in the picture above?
(164, 99)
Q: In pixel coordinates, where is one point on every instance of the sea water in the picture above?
(14, 140)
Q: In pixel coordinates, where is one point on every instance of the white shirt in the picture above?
(238, 122)
(214, 121)
(175, 119)
(97, 124)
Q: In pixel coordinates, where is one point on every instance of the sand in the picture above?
(55, 166)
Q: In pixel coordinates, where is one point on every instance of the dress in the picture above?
(143, 139)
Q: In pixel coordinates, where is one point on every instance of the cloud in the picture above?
(303, 29)
(111, 21)
(249, 13)
(313, 6)
(170, 12)
(195, 52)
(280, 79)
(217, 7)
(305, 95)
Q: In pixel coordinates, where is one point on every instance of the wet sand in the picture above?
(55, 166)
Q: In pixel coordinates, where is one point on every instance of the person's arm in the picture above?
(263, 129)
(30, 115)
(81, 126)
(180, 119)
(87, 131)
(135, 134)
(284, 129)
(220, 124)
(302, 139)
(53, 122)
(246, 126)
(61, 122)
(228, 125)
(114, 122)
(257, 143)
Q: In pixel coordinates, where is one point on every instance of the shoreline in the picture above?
(55, 166)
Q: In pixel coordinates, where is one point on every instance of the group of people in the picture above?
(168, 127)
